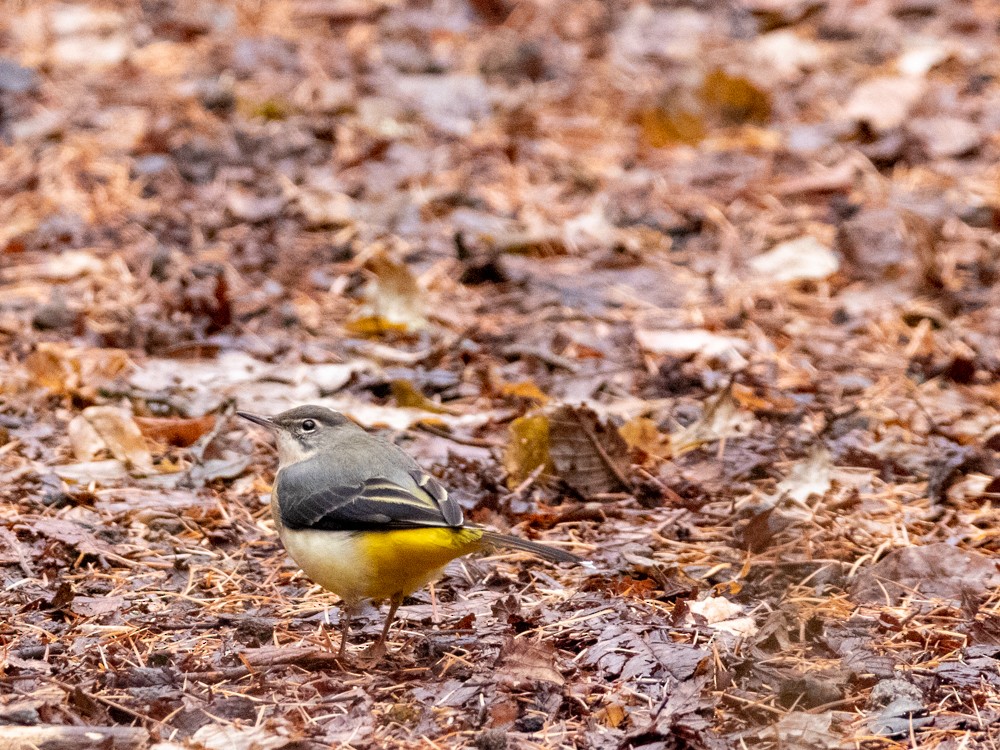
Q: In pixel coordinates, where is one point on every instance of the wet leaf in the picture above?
(899, 718)
(934, 571)
(75, 535)
(621, 650)
(94, 606)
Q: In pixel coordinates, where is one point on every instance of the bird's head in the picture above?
(302, 431)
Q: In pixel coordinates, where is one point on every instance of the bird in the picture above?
(360, 517)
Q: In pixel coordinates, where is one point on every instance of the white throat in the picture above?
(290, 450)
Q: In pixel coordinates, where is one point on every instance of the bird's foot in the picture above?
(374, 653)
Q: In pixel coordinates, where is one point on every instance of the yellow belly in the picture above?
(377, 564)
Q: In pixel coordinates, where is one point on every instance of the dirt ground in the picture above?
(703, 292)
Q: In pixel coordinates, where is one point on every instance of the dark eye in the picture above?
(308, 425)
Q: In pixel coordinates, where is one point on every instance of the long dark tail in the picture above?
(542, 550)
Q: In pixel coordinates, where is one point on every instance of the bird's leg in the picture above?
(435, 618)
(377, 649)
(345, 629)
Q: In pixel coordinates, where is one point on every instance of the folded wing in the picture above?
(309, 500)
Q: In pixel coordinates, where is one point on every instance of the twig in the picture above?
(73, 738)
(546, 356)
(475, 442)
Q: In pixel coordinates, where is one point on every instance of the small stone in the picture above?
(150, 164)
(530, 724)
(873, 244)
(886, 691)
(20, 716)
(884, 103)
(217, 96)
(492, 739)
(15, 79)
(55, 315)
(513, 59)
(854, 383)
(944, 137)
(254, 630)
(983, 216)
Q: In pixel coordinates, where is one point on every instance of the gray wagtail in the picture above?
(361, 518)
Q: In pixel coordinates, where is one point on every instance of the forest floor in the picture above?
(703, 292)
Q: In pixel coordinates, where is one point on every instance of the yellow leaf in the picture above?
(524, 389)
(754, 401)
(736, 99)
(394, 300)
(643, 434)
(407, 396)
(612, 715)
(49, 369)
(374, 325)
(528, 449)
(662, 127)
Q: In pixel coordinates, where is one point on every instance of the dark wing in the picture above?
(309, 502)
(451, 510)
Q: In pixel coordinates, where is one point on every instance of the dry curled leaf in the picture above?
(84, 440)
(395, 301)
(523, 663)
(722, 418)
(175, 430)
(121, 434)
(588, 454)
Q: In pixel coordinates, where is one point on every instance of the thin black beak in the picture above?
(257, 419)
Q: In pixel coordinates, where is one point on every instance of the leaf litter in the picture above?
(704, 293)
